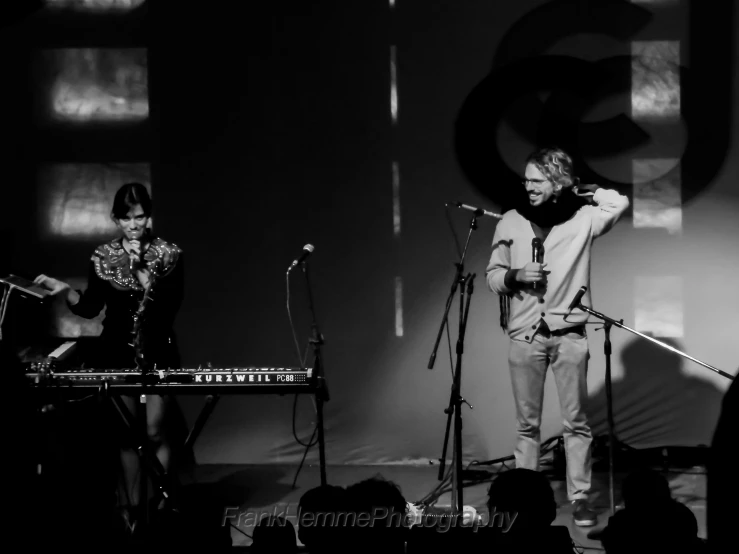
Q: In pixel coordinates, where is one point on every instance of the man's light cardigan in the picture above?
(567, 256)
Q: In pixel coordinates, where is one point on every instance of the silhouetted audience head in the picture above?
(722, 508)
(378, 509)
(645, 487)
(651, 520)
(526, 494)
(276, 535)
(322, 518)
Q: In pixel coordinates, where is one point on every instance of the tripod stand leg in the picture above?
(321, 443)
(458, 480)
(442, 461)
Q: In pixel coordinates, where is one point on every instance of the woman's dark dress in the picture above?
(113, 286)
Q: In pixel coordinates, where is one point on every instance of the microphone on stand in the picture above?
(576, 301)
(478, 211)
(536, 253)
(307, 251)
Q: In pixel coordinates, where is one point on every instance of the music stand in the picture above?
(25, 286)
(608, 323)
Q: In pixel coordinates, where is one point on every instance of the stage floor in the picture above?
(245, 493)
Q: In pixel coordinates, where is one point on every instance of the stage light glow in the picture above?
(393, 85)
(657, 195)
(655, 79)
(77, 199)
(93, 84)
(398, 306)
(95, 5)
(396, 199)
(659, 306)
(655, 2)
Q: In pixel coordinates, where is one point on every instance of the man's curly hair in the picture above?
(555, 164)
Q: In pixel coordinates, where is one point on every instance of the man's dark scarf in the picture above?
(552, 213)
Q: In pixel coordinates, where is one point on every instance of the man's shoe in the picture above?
(582, 515)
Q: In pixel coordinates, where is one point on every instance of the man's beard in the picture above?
(554, 211)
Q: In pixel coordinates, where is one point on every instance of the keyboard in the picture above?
(241, 380)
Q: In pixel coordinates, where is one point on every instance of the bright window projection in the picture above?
(76, 199)
(97, 84)
(655, 79)
(657, 195)
(659, 306)
(396, 199)
(95, 5)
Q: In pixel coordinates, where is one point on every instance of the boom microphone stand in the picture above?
(456, 400)
(608, 323)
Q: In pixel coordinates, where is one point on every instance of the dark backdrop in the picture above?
(270, 128)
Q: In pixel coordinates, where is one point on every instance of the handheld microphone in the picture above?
(536, 253)
(478, 211)
(576, 301)
(134, 259)
(307, 251)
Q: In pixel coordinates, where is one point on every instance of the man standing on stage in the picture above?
(535, 296)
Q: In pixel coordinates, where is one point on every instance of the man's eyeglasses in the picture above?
(534, 181)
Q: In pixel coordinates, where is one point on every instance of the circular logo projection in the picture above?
(546, 98)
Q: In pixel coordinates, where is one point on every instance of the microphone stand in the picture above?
(4, 305)
(456, 400)
(608, 323)
(321, 395)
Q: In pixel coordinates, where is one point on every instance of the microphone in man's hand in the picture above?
(536, 253)
(576, 301)
(307, 251)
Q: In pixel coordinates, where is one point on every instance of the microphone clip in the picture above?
(607, 325)
(307, 251)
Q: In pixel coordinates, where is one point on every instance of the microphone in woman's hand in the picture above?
(134, 256)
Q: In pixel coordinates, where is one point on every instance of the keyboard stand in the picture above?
(136, 423)
(321, 395)
(210, 404)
